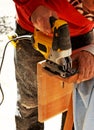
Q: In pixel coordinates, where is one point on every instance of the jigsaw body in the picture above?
(56, 48)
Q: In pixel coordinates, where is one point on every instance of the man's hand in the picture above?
(85, 64)
(40, 19)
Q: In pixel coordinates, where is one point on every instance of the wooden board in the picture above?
(54, 93)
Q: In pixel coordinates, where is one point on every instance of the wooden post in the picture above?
(54, 95)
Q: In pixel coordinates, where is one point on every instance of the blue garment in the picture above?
(83, 105)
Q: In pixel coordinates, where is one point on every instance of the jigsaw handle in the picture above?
(61, 36)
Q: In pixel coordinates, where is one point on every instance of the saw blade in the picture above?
(58, 69)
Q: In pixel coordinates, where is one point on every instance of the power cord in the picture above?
(27, 37)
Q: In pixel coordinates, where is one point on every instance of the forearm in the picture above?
(89, 4)
(90, 47)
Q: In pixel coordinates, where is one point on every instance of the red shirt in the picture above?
(78, 24)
